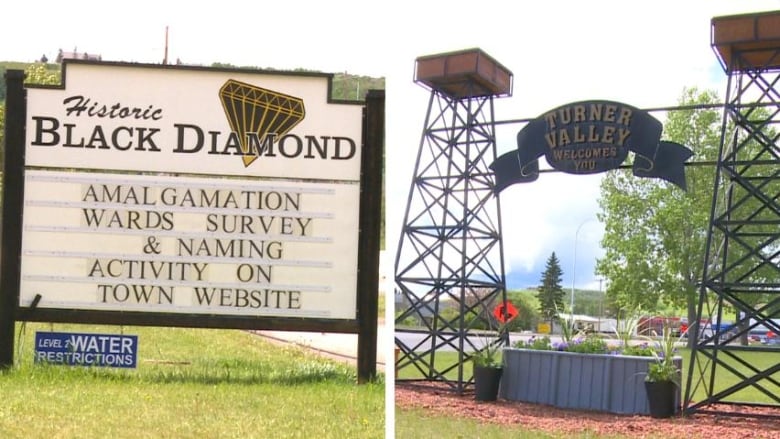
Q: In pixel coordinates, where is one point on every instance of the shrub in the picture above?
(539, 344)
(591, 344)
(588, 345)
(641, 350)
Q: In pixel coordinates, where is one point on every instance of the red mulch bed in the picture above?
(438, 399)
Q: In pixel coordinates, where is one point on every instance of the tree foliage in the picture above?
(527, 306)
(655, 232)
(590, 302)
(551, 293)
(38, 73)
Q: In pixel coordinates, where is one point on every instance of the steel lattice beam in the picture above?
(742, 255)
(449, 266)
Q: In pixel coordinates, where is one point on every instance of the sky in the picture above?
(639, 53)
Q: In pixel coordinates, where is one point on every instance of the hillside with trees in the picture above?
(345, 86)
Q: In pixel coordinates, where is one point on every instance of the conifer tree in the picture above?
(551, 293)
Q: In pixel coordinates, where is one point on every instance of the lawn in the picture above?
(189, 383)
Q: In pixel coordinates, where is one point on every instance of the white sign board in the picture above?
(264, 223)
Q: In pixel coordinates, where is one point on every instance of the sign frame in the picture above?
(369, 219)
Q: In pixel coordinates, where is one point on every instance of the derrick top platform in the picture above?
(464, 74)
(747, 41)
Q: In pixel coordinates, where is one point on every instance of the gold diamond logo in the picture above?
(250, 109)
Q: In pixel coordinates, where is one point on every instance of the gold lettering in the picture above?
(579, 113)
(609, 115)
(593, 135)
(595, 112)
(563, 137)
(565, 115)
(550, 118)
(625, 116)
(609, 135)
(623, 134)
(578, 136)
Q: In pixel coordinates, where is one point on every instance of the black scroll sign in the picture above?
(590, 137)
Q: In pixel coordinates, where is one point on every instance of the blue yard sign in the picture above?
(76, 349)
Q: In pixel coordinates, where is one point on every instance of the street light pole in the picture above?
(601, 298)
(574, 265)
(601, 302)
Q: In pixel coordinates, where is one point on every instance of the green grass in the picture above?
(189, 383)
(725, 378)
(443, 361)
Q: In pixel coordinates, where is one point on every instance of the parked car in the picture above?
(764, 334)
(683, 328)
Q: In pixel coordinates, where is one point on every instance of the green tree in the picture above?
(551, 293)
(590, 302)
(527, 305)
(655, 232)
(38, 73)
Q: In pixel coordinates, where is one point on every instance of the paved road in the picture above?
(412, 340)
(342, 347)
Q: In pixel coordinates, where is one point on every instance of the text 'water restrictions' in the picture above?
(189, 245)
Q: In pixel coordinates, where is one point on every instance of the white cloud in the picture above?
(640, 53)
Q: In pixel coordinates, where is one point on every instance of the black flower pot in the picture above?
(660, 398)
(486, 382)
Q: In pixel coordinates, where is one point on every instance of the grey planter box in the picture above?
(607, 383)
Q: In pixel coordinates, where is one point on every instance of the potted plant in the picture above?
(487, 370)
(663, 378)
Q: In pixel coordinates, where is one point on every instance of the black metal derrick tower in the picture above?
(741, 277)
(449, 267)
